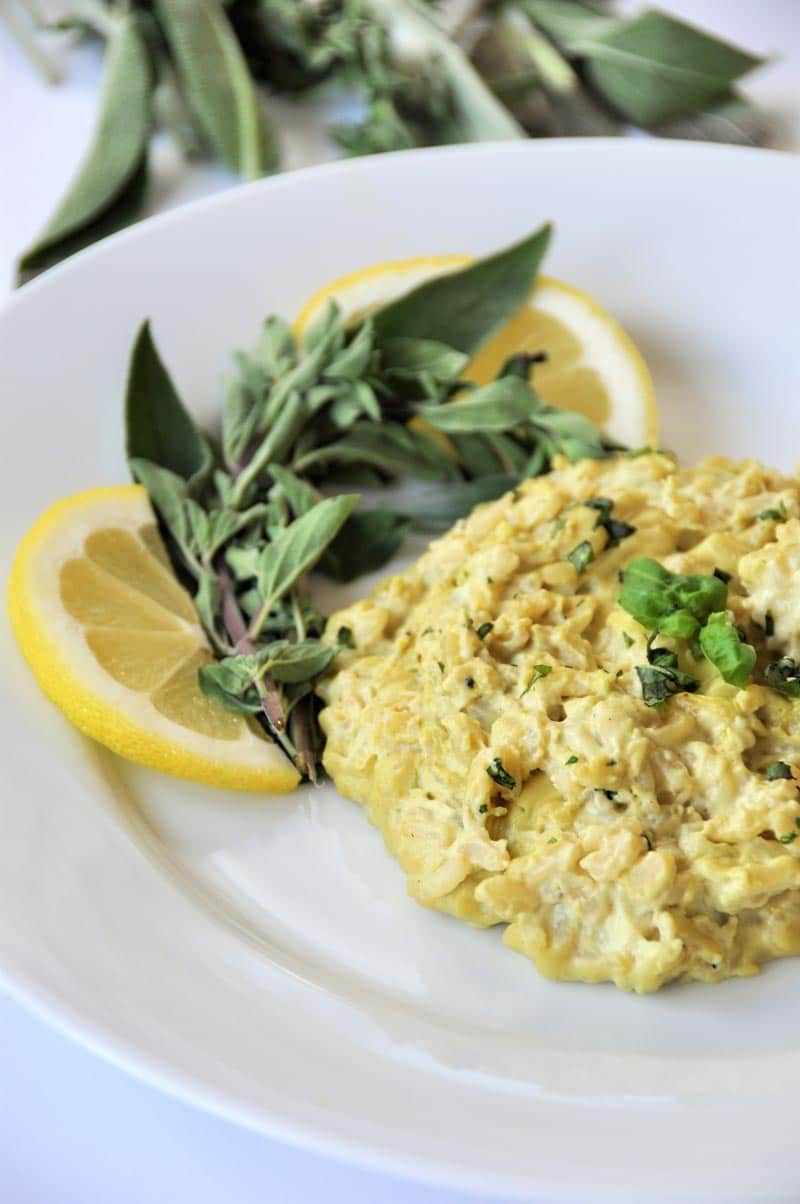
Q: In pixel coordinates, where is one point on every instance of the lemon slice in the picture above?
(115, 642)
(592, 365)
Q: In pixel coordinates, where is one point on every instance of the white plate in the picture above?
(260, 957)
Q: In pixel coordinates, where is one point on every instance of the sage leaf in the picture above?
(158, 427)
(463, 309)
(365, 543)
(730, 119)
(218, 84)
(437, 507)
(499, 406)
(296, 549)
(655, 68)
(110, 179)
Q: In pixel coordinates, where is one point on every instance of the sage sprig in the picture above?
(203, 71)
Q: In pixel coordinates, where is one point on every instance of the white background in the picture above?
(74, 1130)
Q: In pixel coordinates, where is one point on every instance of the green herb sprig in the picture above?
(204, 72)
(248, 515)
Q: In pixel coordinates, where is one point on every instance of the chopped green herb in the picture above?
(769, 625)
(673, 603)
(484, 630)
(610, 762)
(553, 840)
(788, 838)
(581, 555)
(778, 769)
(784, 676)
(539, 671)
(660, 682)
(427, 631)
(469, 682)
(722, 575)
(610, 794)
(628, 639)
(490, 580)
(774, 514)
(344, 637)
(483, 809)
(571, 760)
(441, 666)
(500, 775)
(603, 505)
(648, 841)
(558, 525)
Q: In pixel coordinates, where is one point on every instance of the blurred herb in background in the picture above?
(426, 74)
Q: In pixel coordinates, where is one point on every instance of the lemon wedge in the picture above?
(115, 642)
(593, 366)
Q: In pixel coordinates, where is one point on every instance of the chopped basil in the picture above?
(774, 514)
(483, 809)
(441, 666)
(784, 676)
(553, 840)
(660, 682)
(469, 682)
(728, 652)
(581, 555)
(769, 625)
(571, 760)
(499, 774)
(722, 575)
(484, 630)
(344, 637)
(778, 769)
(610, 794)
(627, 638)
(788, 838)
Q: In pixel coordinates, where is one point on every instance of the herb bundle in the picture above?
(201, 69)
(249, 513)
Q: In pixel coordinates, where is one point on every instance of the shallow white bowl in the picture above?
(260, 956)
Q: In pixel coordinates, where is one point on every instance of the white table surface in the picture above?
(73, 1129)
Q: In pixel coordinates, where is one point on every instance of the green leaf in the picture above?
(111, 177)
(157, 425)
(784, 676)
(437, 507)
(297, 548)
(779, 770)
(569, 22)
(295, 663)
(651, 593)
(573, 434)
(409, 357)
(366, 541)
(731, 119)
(218, 85)
(167, 492)
(301, 496)
(661, 681)
(655, 68)
(727, 651)
(390, 447)
(230, 683)
(463, 309)
(581, 555)
(499, 406)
